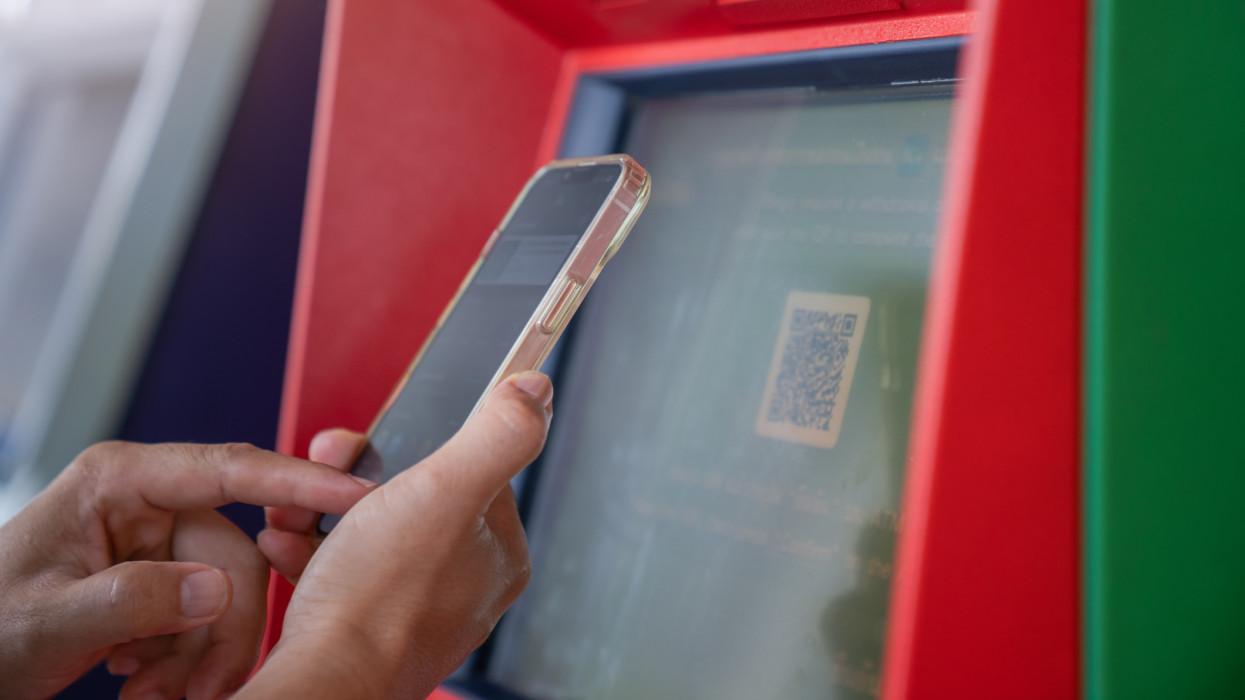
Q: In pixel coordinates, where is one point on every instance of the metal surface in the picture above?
(134, 236)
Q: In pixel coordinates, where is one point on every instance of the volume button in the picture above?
(554, 315)
(634, 182)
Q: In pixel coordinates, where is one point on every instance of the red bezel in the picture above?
(985, 600)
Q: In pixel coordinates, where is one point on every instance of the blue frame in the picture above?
(598, 123)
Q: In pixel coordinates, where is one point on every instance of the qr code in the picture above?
(810, 375)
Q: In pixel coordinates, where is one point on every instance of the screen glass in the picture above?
(718, 503)
(486, 321)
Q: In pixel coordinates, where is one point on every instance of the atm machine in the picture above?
(887, 196)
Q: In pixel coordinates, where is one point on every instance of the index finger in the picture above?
(182, 476)
(336, 447)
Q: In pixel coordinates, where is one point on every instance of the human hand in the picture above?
(123, 557)
(416, 575)
(290, 538)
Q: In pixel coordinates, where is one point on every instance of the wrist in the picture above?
(312, 673)
(340, 661)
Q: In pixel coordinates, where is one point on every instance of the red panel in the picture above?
(985, 603)
(773, 11)
(868, 29)
(586, 23)
(429, 131)
(429, 119)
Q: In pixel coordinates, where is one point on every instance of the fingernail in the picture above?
(366, 483)
(537, 385)
(124, 666)
(203, 593)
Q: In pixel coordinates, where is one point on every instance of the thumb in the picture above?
(502, 438)
(140, 599)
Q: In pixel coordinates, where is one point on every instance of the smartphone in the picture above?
(516, 300)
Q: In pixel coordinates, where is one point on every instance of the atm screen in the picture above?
(717, 508)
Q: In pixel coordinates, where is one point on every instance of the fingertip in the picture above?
(123, 666)
(534, 391)
(359, 488)
(266, 539)
(525, 402)
(536, 385)
(286, 552)
(336, 447)
(205, 594)
(365, 483)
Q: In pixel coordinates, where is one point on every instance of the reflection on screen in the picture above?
(718, 510)
(486, 321)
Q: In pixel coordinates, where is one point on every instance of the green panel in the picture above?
(1165, 371)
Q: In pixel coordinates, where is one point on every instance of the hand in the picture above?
(123, 557)
(290, 537)
(416, 575)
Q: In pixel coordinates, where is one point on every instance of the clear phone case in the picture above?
(604, 235)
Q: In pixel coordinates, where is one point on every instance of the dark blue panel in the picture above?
(214, 369)
(872, 65)
(595, 119)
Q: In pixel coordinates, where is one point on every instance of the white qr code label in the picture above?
(811, 373)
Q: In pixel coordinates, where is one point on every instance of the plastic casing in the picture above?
(598, 243)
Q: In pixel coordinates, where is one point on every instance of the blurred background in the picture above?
(153, 160)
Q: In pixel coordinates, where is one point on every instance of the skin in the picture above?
(123, 558)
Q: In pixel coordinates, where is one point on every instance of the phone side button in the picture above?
(555, 314)
(634, 183)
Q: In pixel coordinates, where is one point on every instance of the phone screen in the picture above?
(491, 313)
